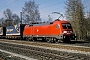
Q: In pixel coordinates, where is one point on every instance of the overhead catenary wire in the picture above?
(44, 2)
(39, 4)
(51, 5)
(8, 4)
(4, 3)
(86, 5)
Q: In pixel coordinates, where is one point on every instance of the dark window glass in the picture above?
(69, 26)
(66, 26)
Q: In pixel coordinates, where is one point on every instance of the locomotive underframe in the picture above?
(40, 36)
(68, 38)
(50, 38)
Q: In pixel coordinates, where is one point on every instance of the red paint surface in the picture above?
(45, 29)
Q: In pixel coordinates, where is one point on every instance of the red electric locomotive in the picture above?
(59, 30)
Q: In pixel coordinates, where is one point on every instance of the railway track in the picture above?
(6, 55)
(44, 53)
(50, 45)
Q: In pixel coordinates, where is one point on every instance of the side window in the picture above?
(57, 26)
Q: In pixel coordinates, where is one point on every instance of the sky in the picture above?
(46, 7)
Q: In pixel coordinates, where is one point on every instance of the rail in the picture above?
(41, 52)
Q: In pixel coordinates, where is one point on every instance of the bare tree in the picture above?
(1, 20)
(30, 12)
(8, 14)
(75, 14)
(10, 18)
(88, 25)
(16, 18)
(49, 18)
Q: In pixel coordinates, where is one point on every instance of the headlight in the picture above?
(71, 31)
(67, 32)
(64, 31)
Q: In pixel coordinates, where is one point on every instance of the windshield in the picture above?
(66, 26)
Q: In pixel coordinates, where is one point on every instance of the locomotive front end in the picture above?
(67, 32)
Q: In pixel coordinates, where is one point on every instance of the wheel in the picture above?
(55, 40)
(48, 40)
(34, 39)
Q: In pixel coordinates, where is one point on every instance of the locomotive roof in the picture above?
(43, 23)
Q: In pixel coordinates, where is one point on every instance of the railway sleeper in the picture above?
(49, 55)
(41, 52)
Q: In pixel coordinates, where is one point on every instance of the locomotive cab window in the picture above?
(66, 26)
(57, 26)
(69, 26)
